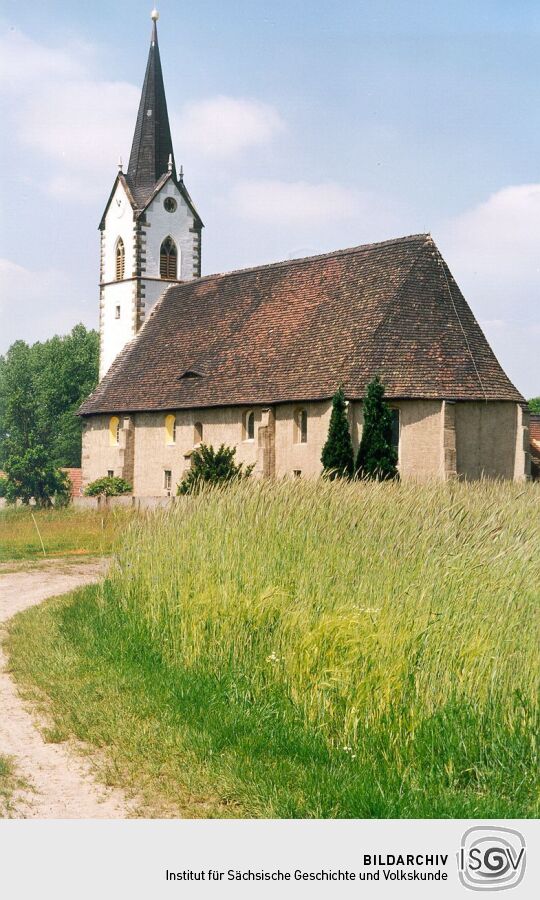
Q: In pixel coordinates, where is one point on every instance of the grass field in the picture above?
(310, 650)
(35, 534)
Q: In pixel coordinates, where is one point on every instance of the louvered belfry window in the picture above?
(120, 259)
(168, 259)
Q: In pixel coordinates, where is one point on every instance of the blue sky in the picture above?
(302, 127)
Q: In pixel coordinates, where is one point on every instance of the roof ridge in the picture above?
(409, 238)
(442, 265)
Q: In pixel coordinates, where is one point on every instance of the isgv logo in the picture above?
(491, 858)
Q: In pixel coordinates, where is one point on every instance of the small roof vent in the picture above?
(190, 373)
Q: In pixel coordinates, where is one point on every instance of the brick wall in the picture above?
(75, 476)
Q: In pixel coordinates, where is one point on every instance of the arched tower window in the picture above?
(168, 259)
(120, 259)
(197, 433)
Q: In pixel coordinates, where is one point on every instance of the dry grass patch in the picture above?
(67, 532)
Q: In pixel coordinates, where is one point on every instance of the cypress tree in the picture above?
(377, 457)
(338, 456)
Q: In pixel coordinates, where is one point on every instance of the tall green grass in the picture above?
(315, 649)
(387, 615)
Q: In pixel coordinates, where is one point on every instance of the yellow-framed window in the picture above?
(170, 429)
(114, 431)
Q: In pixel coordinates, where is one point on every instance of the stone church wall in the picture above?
(421, 439)
(291, 455)
(491, 440)
(438, 440)
(222, 425)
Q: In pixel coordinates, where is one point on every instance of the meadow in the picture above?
(309, 650)
(33, 534)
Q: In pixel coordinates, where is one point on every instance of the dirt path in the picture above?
(62, 786)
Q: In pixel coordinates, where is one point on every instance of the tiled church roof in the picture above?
(295, 330)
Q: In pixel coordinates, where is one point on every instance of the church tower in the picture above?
(150, 230)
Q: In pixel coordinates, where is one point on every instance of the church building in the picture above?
(252, 358)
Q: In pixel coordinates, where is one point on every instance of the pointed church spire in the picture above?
(152, 144)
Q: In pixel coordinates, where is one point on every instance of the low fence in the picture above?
(127, 502)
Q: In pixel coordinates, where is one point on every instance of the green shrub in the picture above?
(212, 467)
(534, 406)
(3, 486)
(108, 486)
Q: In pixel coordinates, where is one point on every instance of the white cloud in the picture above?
(499, 239)
(35, 304)
(84, 126)
(296, 202)
(24, 62)
(80, 123)
(71, 187)
(493, 250)
(18, 283)
(77, 123)
(222, 127)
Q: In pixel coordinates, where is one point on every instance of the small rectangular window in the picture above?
(117, 312)
(167, 479)
(297, 473)
(110, 473)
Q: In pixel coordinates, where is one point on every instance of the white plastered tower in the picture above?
(150, 230)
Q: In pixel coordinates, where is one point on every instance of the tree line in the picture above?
(41, 387)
